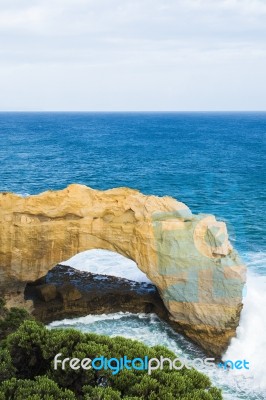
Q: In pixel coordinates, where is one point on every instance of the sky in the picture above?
(132, 55)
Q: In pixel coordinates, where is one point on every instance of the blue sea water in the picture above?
(213, 162)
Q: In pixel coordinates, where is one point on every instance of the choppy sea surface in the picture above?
(213, 162)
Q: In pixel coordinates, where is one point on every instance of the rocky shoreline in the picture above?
(67, 293)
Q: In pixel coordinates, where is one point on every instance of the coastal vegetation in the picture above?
(28, 348)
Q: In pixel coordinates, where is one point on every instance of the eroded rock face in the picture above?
(188, 257)
(79, 293)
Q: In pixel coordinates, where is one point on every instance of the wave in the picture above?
(250, 341)
(256, 261)
(91, 318)
(104, 262)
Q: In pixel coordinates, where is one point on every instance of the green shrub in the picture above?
(11, 319)
(30, 350)
(42, 388)
(99, 393)
(7, 370)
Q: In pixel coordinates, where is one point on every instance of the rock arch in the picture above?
(188, 257)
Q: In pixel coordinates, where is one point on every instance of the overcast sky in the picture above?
(142, 55)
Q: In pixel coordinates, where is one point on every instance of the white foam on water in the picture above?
(23, 194)
(256, 261)
(250, 342)
(104, 262)
(88, 319)
(147, 328)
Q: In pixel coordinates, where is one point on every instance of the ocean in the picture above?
(213, 162)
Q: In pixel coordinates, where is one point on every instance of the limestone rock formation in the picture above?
(188, 257)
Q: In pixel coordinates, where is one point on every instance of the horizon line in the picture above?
(132, 111)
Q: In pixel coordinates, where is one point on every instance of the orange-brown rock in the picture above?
(188, 257)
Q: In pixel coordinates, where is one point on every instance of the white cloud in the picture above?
(139, 54)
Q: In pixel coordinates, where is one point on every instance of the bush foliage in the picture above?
(27, 369)
(11, 319)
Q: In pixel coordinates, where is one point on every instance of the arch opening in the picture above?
(95, 281)
(106, 262)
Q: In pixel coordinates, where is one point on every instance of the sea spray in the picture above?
(251, 339)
